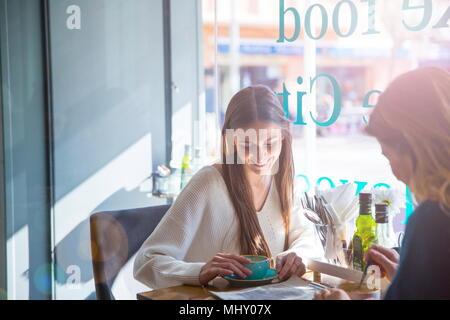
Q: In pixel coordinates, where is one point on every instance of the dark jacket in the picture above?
(424, 269)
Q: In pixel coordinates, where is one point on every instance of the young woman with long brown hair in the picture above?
(243, 205)
(412, 124)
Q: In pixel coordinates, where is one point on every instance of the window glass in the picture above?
(355, 48)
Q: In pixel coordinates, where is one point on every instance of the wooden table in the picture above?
(200, 293)
(221, 285)
(183, 293)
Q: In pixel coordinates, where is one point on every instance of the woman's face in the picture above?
(400, 164)
(260, 148)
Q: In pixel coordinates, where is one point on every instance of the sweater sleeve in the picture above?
(302, 236)
(160, 261)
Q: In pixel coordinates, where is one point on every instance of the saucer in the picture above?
(235, 281)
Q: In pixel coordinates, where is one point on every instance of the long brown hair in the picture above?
(257, 103)
(413, 116)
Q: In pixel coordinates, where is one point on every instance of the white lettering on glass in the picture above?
(74, 20)
(74, 278)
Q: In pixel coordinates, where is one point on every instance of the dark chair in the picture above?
(115, 237)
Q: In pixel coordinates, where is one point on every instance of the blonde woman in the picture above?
(243, 205)
(412, 124)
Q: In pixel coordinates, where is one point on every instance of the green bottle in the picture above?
(365, 233)
(186, 166)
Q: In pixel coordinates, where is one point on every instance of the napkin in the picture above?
(342, 204)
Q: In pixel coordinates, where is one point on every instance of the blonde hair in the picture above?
(413, 116)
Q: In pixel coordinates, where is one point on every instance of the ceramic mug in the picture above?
(259, 266)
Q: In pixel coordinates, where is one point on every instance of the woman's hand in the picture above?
(332, 294)
(289, 265)
(386, 259)
(224, 264)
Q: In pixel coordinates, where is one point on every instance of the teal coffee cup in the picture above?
(259, 266)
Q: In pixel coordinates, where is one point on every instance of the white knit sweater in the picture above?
(202, 223)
